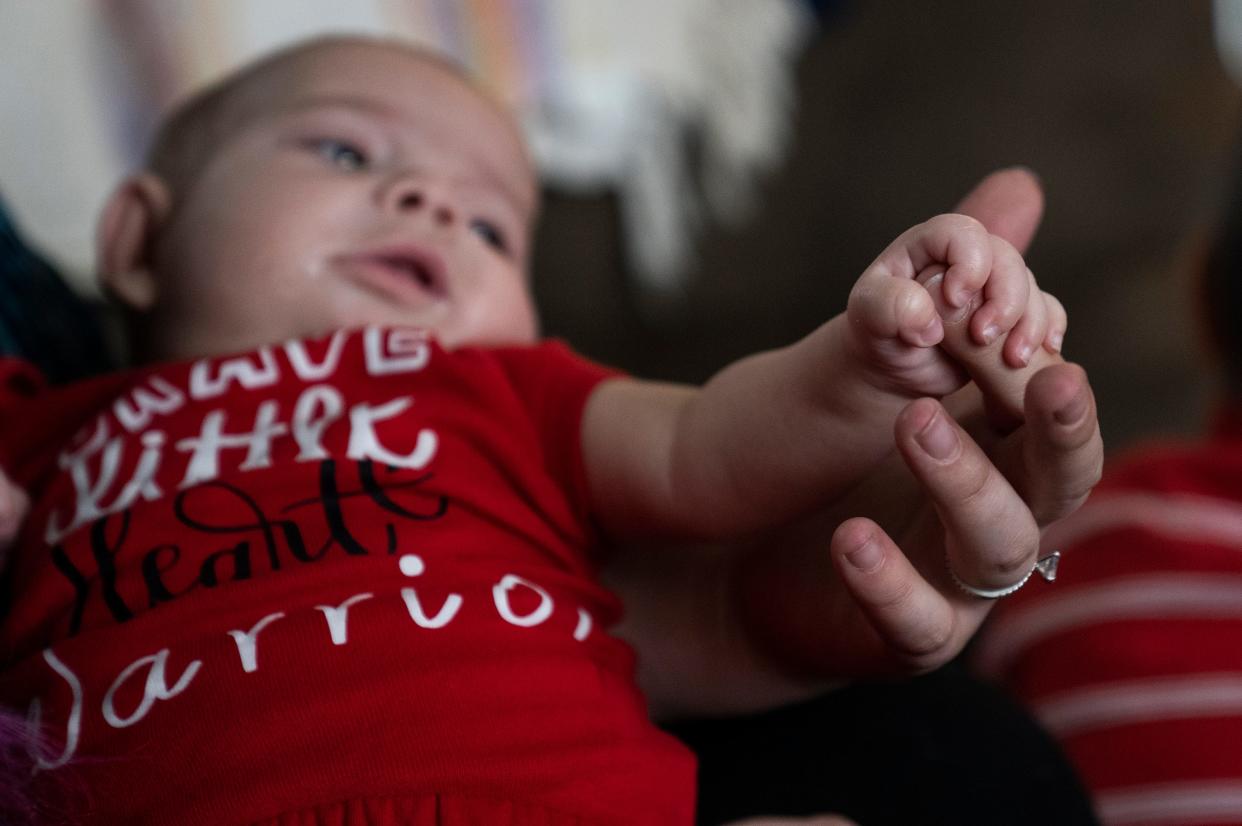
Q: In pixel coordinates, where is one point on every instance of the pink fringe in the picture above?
(25, 798)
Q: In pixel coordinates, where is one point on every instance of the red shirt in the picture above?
(321, 575)
(1133, 657)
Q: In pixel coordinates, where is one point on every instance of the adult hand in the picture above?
(979, 508)
(732, 629)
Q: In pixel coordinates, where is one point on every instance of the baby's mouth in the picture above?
(419, 271)
(400, 268)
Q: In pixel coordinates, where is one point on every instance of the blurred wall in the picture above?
(1122, 108)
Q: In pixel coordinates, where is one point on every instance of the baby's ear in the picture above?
(131, 220)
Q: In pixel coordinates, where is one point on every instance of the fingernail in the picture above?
(866, 557)
(1055, 340)
(990, 333)
(937, 438)
(1024, 354)
(1073, 411)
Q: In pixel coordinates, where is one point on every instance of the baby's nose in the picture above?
(413, 196)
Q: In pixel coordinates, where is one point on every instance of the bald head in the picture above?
(186, 140)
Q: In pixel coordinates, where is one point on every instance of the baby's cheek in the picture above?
(515, 323)
(512, 318)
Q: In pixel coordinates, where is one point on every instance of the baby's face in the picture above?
(375, 187)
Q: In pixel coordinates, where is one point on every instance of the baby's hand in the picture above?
(947, 301)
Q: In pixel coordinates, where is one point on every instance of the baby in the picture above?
(330, 554)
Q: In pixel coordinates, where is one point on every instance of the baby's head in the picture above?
(340, 183)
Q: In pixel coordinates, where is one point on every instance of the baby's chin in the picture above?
(453, 339)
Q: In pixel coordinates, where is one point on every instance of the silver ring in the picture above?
(1046, 565)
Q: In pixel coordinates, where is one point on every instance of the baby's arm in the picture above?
(775, 434)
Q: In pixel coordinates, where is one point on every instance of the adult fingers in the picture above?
(991, 537)
(1009, 202)
(1055, 460)
(915, 621)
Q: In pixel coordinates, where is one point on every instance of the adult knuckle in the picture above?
(1014, 557)
(1076, 492)
(926, 648)
(977, 484)
(1060, 506)
(895, 597)
(1081, 447)
(1064, 495)
(1095, 471)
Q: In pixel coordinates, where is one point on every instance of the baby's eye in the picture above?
(341, 154)
(490, 233)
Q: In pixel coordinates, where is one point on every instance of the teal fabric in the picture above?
(41, 319)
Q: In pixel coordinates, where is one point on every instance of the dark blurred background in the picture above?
(1122, 108)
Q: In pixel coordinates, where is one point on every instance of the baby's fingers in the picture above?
(889, 308)
(1007, 295)
(957, 245)
(1031, 329)
(964, 246)
(1058, 322)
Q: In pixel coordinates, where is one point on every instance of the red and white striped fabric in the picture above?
(1133, 659)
